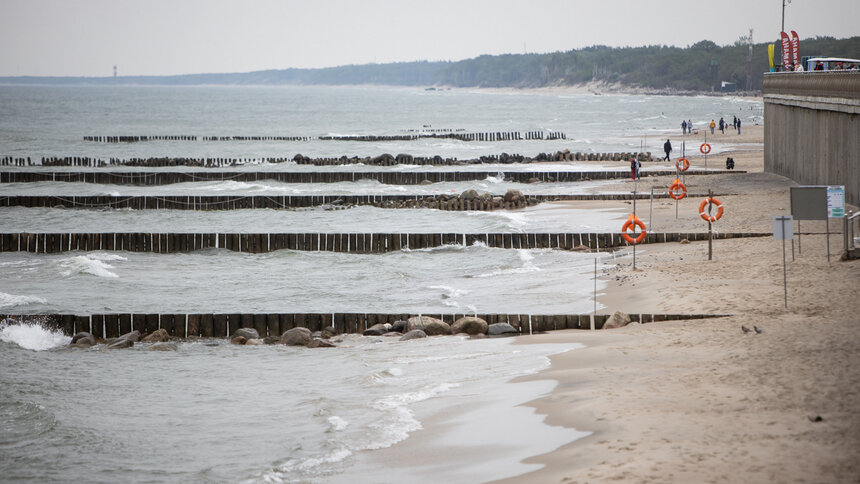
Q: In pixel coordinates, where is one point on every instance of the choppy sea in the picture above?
(212, 412)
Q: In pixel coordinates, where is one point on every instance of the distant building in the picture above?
(727, 86)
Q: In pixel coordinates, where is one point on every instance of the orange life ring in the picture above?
(710, 201)
(682, 164)
(677, 190)
(633, 220)
(705, 148)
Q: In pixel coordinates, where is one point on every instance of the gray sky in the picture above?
(156, 37)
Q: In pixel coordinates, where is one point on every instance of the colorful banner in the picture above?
(786, 51)
(795, 48)
(770, 49)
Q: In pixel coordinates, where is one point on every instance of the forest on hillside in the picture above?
(698, 67)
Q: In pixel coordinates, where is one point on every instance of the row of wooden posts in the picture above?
(332, 242)
(147, 178)
(238, 202)
(275, 324)
(481, 136)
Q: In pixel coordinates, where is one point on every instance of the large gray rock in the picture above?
(514, 196)
(399, 326)
(502, 329)
(125, 341)
(296, 337)
(469, 325)
(328, 332)
(320, 343)
(247, 333)
(83, 340)
(469, 194)
(436, 327)
(420, 322)
(157, 336)
(254, 342)
(238, 340)
(414, 334)
(272, 340)
(617, 320)
(377, 329)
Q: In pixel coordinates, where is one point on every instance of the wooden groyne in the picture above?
(384, 159)
(149, 178)
(461, 136)
(237, 202)
(275, 324)
(373, 243)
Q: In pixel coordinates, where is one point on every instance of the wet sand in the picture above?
(700, 400)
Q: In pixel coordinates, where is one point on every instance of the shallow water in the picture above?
(215, 412)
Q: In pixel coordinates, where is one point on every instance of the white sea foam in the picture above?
(399, 421)
(32, 336)
(89, 264)
(11, 300)
(337, 423)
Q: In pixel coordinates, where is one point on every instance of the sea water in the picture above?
(213, 412)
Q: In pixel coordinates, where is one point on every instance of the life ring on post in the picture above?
(705, 214)
(677, 190)
(632, 222)
(705, 148)
(682, 164)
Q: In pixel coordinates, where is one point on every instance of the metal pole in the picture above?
(799, 248)
(827, 225)
(710, 231)
(593, 313)
(634, 218)
(784, 277)
(651, 212)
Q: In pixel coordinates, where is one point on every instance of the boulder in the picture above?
(238, 340)
(157, 336)
(125, 341)
(514, 196)
(617, 320)
(430, 326)
(502, 329)
(83, 340)
(399, 326)
(392, 333)
(469, 194)
(272, 340)
(296, 337)
(328, 332)
(247, 333)
(163, 347)
(254, 342)
(377, 329)
(469, 325)
(414, 334)
(320, 343)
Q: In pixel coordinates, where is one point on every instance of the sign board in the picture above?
(809, 202)
(836, 201)
(783, 227)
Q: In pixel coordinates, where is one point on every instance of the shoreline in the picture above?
(700, 400)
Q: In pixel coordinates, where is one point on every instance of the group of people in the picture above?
(723, 125)
(686, 127)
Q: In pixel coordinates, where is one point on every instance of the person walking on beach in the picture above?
(739, 125)
(667, 147)
(689, 127)
(713, 125)
(722, 126)
(634, 172)
(683, 127)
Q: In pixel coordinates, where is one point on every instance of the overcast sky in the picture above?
(156, 37)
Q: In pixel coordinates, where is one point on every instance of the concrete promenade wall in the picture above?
(812, 128)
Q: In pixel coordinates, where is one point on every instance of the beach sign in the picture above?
(836, 201)
(783, 227)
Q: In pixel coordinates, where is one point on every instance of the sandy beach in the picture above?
(700, 400)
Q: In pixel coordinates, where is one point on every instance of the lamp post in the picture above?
(784, 2)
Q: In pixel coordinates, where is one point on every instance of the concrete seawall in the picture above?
(49, 243)
(812, 128)
(385, 177)
(274, 324)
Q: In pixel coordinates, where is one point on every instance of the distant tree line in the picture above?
(699, 67)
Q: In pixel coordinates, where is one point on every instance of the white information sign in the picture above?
(783, 227)
(836, 201)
